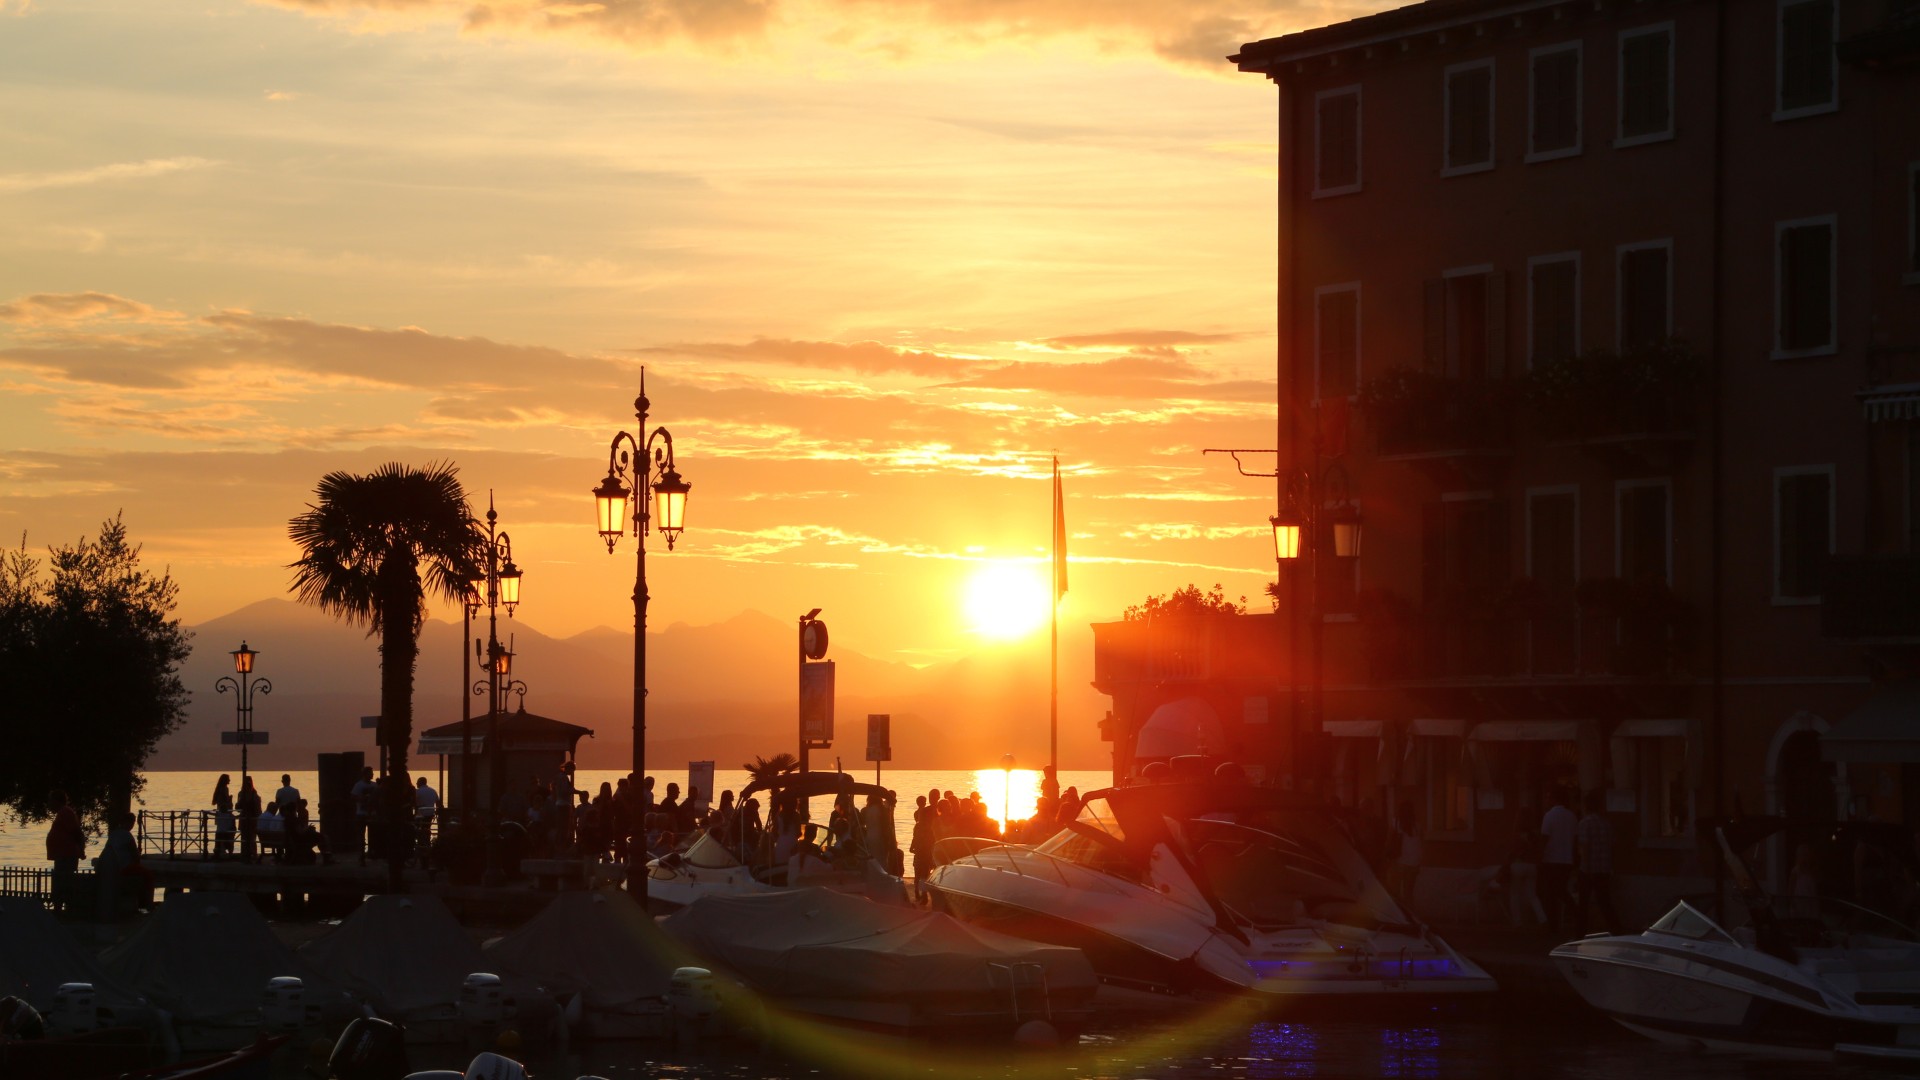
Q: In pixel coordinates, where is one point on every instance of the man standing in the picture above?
(1594, 837)
(66, 846)
(288, 795)
(366, 807)
(426, 802)
(1557, 828)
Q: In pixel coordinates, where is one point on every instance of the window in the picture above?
(1553, 307)
(1336, 340)
(1913, 489)
(1466, 318)
(1806, 70)
(1450, 782)
(1646, 85)
(1804, 275)
(1665, 797)
(1336, 168)
(1469, 135)
(1913, 223)
(1643, 530)
(1553, 562)
(1463, 546)
(1803, 531)
(1553, 128)
(1645, 287)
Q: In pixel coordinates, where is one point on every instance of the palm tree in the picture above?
(762, 769)
(373, 548)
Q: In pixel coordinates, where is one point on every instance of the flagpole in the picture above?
(1053, 717)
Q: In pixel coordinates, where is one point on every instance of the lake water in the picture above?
(26, 845)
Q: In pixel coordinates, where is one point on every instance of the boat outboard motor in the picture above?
(283, 1006)
(370, 1049)
(74, 1011)
(694, 1000)
(19, 1020)
(484, 1004)
(491, 1066)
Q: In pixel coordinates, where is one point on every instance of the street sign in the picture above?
(370, 723)
(236, 738)
(816, 703)
(700, 778)
(879, 738)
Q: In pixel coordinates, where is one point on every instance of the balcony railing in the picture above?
(1619, 632)
(1186, 650)
(1871, 598)
(1653, 390)
(1414, 412)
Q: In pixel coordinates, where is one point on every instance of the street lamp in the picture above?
(498, 585)
(617, 504)
(243, 690)
(1302, 531)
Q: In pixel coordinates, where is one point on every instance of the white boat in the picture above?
(1205, 885)
(1803, 977)
(709, 868)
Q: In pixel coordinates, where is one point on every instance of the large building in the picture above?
(1604, 317)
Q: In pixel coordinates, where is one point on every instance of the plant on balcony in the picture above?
(1647, 390)
(1654, 624)
(1187, 602)
(1414, 411)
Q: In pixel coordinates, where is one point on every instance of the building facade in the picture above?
(1605, 317)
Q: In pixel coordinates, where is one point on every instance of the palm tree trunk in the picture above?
(399, 649)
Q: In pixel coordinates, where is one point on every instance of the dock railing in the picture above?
(36, 883)
(177, 834)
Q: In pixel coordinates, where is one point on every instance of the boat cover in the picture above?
(37, 954)
(405, 955)
(595, 942)
(207, 956)
(818, 942)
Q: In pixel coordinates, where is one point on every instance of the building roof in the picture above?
(520, 730)
(1429, 16)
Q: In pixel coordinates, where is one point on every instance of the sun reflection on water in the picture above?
(1013, 792)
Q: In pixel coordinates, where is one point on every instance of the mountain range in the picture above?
(724, 692)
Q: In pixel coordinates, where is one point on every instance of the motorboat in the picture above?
(1801, 977)
(849, 961)
(1206, 885)
(602, 956)
(708, 867)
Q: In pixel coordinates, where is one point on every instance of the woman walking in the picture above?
(223, 818)
(248, 805)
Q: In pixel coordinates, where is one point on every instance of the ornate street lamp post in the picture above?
(243, 690)
(649, 468)
(498, 587)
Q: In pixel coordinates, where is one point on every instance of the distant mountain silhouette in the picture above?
(724, 691)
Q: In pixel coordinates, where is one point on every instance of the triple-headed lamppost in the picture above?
(497, 586)
(243, 690)
(652, 469)
(1305, 526)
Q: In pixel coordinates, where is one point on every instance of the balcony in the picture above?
(1871, 598)
(1642, 404)
(1186, 650)
(1420, 415)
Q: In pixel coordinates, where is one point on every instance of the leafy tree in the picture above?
(763, 769)
(373, 548)
(90, 658)
(1187, 602)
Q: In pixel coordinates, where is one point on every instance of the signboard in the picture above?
(879, 737)
(236, 738)
(370, 723)
(700, 779)
(816, 703)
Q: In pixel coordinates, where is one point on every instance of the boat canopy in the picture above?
(596, 942)
(404, 955)
(37, 954)
(807, 785)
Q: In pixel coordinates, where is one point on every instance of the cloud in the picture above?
(1129, 339)
(863, 357)
(1159, 377)
(11, 183)
(45, 309)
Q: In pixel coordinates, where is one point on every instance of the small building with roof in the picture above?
(533, 747)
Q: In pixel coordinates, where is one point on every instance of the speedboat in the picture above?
(1803, 977)
(709, 868)
(1213, 885)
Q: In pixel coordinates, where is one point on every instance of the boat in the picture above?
(251, 1062)
(847, 960)
(1801, 977)
(709, 867)
(1206, 885)
(101, 1054)
(599, 954)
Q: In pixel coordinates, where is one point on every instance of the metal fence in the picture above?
(178, 834)
(36, 883)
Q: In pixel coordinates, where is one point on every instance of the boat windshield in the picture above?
(1269, 880)
(1687, 922)
(1081, 849)
(1096, 814)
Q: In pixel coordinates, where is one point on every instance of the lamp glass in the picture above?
(1346, 537)
(503, 662)
(670, 503)
(509, 584)
(610, 503)
(243, 659)
(1286, 539)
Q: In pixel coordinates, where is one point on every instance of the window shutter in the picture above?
(1433, 550)
(1436, 324)
(1497, 324)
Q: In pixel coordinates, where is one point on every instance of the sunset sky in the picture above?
(881, 261)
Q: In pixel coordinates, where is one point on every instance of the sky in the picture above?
(881, 262)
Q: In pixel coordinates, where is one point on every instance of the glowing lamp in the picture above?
(1346, 531)
(1286, 536)
(243, 659)
(670, 505)
(610, 499)
(509, 585)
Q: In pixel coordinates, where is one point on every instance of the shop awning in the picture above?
(1885, 730)
(1351, 729)
(1525, 731)
(1439, 729)
(1896, 403)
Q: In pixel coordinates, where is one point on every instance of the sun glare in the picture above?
(1006, 600)
(1014, 792)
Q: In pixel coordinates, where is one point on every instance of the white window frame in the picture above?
(1620, 488)
(1833, 526)
(1579, 101)
(1326, 290)
(1446, 118)
(1912, 274)
(1620, 285)
(1359, 158)
(1621, 139)
(1832, 104)
(1558, 257)
(1452, 365)
(1551, 491)
(1832, 345)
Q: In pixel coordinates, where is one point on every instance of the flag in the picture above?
(1059, 536)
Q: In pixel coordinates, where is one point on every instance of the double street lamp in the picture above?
(634, 470)
(1316, 513)
(243, 690)
(496, 586)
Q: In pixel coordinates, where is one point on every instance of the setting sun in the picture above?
(1012, 793)
(1006, 600)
